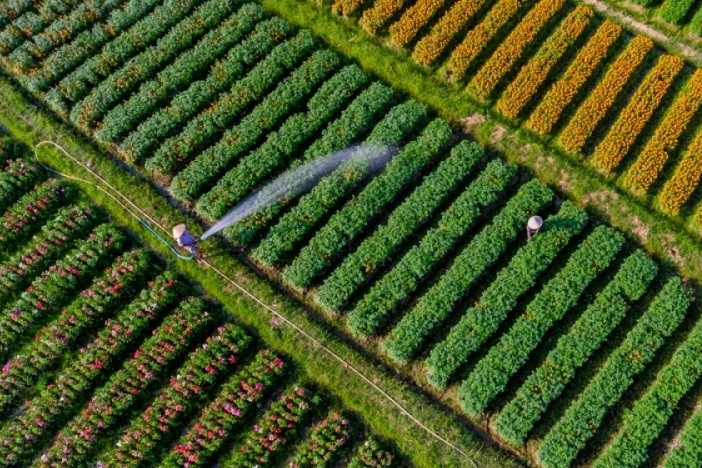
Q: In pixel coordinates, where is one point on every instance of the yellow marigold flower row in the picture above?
(551, 107)
(655, 154)
(431, 46)
(678, 189)
(380, 13)
(594, 108)
(643, 103)
(534, 73)
(347, 7)
(404, 30)
(474, 42)
(503, 59)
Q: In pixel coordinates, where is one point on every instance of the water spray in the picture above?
(370, 158)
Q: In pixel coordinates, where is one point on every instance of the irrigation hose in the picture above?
(143, 216)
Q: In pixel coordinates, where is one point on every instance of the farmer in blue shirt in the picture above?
(185, 239)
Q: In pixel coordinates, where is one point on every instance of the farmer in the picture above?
(185, 239)
(533, 226)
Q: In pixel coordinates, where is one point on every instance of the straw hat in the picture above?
(535, 222)
(178, 230)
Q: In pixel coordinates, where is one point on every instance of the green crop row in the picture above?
(189, 65)
(573, 349)
(496, 302)
(349, 222)
(278, 150)
(220, 114)
(688, 452)
(16, 179)
(397, 124)
(208, 21)
(115, 53)
(650, 414)
(34, 24)
(398, 285)
(414, 211)
(491, 374)
(60, 62)
(165, 121)
(209, 165)
(563, 442)
(64, 27)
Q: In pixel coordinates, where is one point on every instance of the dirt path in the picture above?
(645, 29)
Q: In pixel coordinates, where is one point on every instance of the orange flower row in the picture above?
(535, 72)
(380, 13)
(593, 110)
(462, 56)
(678, 189)
(404, 30)
(643, 103)
(550, 109)
(655, 154)
(347, 7)
(431, 46)
(511, 49)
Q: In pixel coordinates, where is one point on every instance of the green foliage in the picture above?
(220, 114)
(405, 277)
(165, 121)
(574, 348)
(280, 147)
(186, 67)
(689, 450)
(209, 165)
(55, 67)
(350, 221)
(280, 241)
(414, 211)
(563, 442)
(492, 373)
(496, 302)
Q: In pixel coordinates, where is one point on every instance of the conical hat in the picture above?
(178, 230)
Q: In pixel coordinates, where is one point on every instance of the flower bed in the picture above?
(56, 286)
(375, 17)
(325, 443)
(187, 389)
(510, 50)
(17, 178)
(55, 339)
(665, 139)
(41, 415)
(685, 179)
(76, 441)
(404, 30)
(433, 45)
(601, 99)
(464, 55)
(280, 425)
(644, 102)
(534, 74)
(215, 425)
(550, 110)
